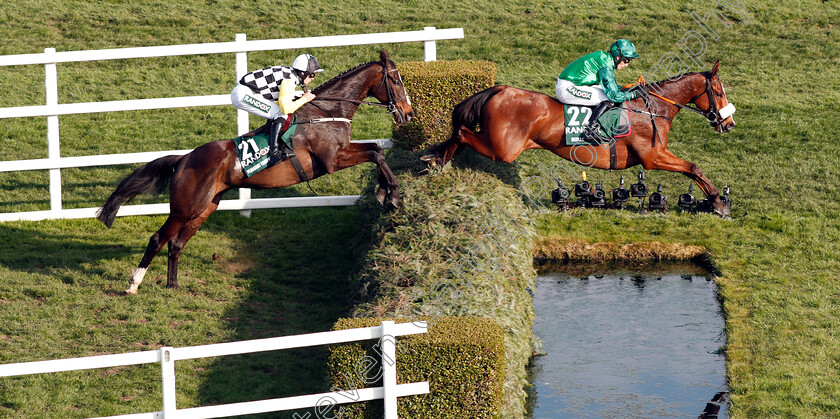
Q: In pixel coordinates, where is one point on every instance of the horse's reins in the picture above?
(650, 112)
(713, 115)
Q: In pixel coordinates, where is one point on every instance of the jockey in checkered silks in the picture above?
(590, 81)
(270, 93)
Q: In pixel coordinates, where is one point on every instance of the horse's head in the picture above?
(391, 90)
(712, 101)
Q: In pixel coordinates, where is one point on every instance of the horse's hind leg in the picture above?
(166, 233)
(483, 144)
(176, 245)
(443, 152)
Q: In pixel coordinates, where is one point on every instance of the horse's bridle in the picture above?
(391, 104)
(713, 114)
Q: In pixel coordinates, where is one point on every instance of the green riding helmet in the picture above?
(622, 49)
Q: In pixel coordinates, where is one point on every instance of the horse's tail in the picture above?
(155, 173)
(468, 113)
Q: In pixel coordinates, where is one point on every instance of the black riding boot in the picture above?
(592, 131)
(277, 151)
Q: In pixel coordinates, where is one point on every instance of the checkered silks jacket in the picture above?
(266, 81)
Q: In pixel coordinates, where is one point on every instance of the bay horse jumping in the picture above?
(198, 180)
(512, 120)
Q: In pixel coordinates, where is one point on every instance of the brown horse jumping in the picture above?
(513, 120)
(198, 179)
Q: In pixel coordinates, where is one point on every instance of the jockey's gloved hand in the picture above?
(640, 90)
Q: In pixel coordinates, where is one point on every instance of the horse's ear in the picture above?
(715, 68)
(383, 56)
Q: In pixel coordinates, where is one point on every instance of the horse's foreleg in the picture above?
(672, 163)
(383, 189)
(452, 145)
(390, 180)
(356, 153)
(156, 242)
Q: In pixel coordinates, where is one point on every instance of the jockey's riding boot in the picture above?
(277, 151)
(592, 131)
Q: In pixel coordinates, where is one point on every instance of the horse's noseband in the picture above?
(713, 114)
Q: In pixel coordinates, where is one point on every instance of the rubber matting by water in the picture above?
(627, 346)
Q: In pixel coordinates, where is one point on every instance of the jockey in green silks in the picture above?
(590, 81)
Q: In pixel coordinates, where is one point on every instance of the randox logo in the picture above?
(579, 93)
(256, 103)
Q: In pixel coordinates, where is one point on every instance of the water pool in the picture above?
(627, 345)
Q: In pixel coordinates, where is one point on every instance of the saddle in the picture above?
(615, 123)
(252, 149)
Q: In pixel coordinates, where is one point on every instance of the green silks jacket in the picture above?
(596, 68)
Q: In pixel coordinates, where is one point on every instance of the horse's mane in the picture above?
(661, 83)
(335, 79)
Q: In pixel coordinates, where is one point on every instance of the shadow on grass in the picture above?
(298, 263)
(34, 250)
(296, 266)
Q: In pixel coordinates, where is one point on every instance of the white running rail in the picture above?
(166, 356)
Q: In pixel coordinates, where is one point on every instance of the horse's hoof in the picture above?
(131, 291)
(723, 212)
(394, 202)
(722, 209)
(431, 159)
(380, 195)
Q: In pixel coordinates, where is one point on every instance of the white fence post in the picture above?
(167, 367)
(242, 122)
(54, 150)
(429, 47)
(389, 369)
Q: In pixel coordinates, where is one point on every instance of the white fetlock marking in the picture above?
(137, 275)
(136, 278)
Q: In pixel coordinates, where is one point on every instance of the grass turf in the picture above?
(778, 257)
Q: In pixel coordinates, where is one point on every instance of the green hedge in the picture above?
(459, 245)
(463, 358)
(435, 88)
